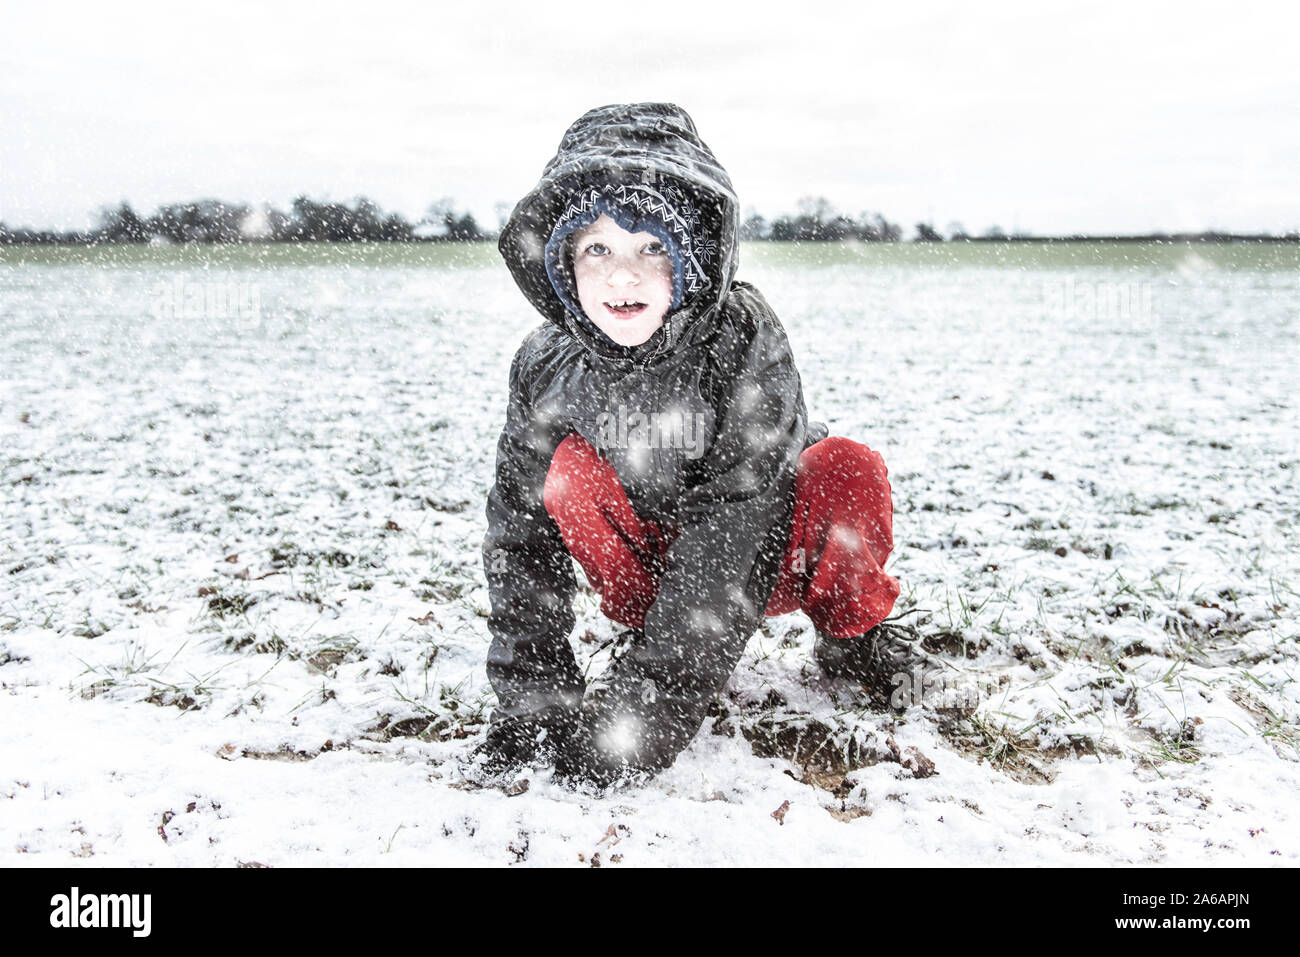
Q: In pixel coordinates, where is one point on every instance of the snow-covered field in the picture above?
(242, 611)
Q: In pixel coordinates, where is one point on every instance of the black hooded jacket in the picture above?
(721, 358)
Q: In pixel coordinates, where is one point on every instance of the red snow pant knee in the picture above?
(842, 533)
(833, 568)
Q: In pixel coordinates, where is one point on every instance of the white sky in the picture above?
(1056, 117)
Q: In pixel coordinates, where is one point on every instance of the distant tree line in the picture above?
(306, 220)
(216, 221)
(817, 221)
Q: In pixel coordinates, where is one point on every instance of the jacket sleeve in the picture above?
(529, 572)
(734, 524)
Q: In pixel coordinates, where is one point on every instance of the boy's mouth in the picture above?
(625, 308)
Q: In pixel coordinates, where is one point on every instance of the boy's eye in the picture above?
(655, 248)
(597, 249)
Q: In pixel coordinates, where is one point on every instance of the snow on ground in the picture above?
(242, 613)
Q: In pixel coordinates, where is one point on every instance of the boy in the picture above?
(656, 432)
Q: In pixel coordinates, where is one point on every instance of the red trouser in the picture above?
(841, 535)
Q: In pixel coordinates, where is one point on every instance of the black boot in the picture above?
(513, 744)
(580, 765)
(890, 664)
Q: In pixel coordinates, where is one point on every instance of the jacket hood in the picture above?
(651, 143)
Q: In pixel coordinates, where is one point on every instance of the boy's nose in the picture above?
(621, 275)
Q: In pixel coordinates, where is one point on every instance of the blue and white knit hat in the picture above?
(664, 210)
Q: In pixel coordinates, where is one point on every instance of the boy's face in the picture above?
(614, 268)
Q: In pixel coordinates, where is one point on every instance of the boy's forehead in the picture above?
(606, 225)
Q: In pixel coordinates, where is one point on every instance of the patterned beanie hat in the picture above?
(664, 210)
